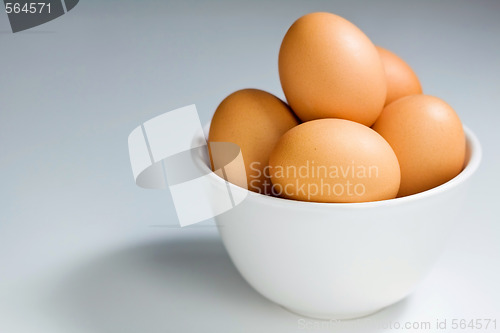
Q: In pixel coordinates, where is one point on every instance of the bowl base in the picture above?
(331, 316)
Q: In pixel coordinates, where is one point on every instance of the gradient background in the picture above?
(82, 249)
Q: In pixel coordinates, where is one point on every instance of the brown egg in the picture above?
(428, 139)
(330, 69)
(401, 79)
(334, 160)
(254, 120)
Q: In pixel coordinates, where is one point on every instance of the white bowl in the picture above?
(339, 261)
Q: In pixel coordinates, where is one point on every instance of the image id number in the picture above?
(31, 8)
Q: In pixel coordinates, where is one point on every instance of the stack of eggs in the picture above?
(356, 126)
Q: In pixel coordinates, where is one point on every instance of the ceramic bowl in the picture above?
(337, 260)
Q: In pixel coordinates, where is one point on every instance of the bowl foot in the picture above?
(331, 316)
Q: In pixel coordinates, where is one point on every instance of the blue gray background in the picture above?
(82, 249)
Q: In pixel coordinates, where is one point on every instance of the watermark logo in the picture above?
(310, 179)
(162, 153)
(24, 15)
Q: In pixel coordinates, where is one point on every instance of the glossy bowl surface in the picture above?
(336, 260)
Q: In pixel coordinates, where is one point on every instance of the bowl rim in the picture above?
(473, 150)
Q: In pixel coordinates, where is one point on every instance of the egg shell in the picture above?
(401, 79)
(330, 69)
(254, 120)
(428, 139)
(334, 160)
